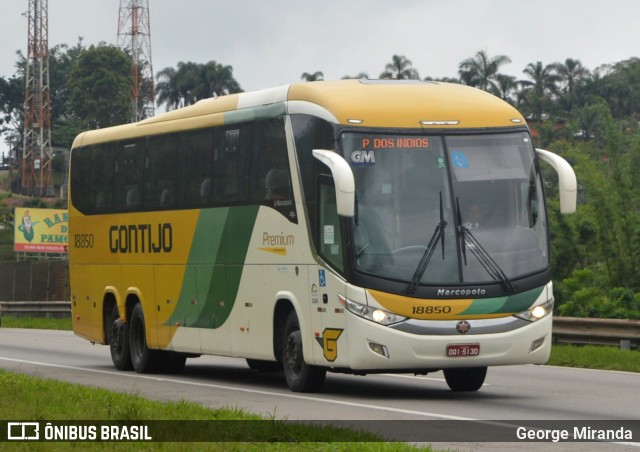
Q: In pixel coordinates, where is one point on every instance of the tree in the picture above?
(360, 76)
(100, 86)
(316, 76)
(536, 94)
(12, 108)
(400, 68)
(192, 82)
(481, 71)
(167, 91)
(619, 85)
(505, 85)
(571, 75)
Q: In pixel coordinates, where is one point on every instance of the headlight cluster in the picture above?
(537, 312)
(374, 314)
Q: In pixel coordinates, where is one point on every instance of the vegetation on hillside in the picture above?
(590, 117)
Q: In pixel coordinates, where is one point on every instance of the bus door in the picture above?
(326, 283)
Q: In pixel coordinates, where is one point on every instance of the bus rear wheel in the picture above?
(144, 359)
(300, 376)
(465, 379)
(118, 338)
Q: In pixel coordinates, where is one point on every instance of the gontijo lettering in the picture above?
(141, 238)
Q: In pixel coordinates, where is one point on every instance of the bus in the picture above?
(353, 226)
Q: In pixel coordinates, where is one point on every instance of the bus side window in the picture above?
(81, 177)
(130, 161)
(271, 178)
(162, 162)
(195, 154)
(102, 176)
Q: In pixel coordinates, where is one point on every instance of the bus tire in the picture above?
(118, 338)
(300, 376)
(144, 359)
(465, 379)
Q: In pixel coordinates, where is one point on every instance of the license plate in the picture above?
(462, 350)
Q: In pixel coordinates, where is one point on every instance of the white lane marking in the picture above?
(250, 391)
(287, 395)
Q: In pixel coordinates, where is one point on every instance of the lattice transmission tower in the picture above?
(134, 35)
(36, 152)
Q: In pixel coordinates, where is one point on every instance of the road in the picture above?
(510, 393)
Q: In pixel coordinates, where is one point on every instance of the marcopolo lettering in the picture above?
(141, 238)
(461, 292)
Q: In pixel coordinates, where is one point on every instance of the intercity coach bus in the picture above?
(352, 226)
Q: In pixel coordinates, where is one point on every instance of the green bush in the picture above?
(583, 295)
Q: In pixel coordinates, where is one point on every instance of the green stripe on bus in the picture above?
(255, 113)
(509, 304)
(213, 273)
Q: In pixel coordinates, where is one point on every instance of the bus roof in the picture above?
(366, 103)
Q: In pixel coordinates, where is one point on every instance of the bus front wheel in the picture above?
(465, 378)
(118, 337)
(300, 376)
(144, 359)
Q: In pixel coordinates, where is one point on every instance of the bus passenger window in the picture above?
(277, 184)
(133, 198)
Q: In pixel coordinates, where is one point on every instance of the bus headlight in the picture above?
(537, 312)
(374, 314)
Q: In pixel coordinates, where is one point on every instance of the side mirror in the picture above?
(343, 178)
(567, 183)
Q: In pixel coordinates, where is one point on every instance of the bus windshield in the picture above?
(447, 209)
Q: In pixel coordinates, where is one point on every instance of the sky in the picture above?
(272, 42)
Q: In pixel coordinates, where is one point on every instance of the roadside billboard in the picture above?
(41, 230)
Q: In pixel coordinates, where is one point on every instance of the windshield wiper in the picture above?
(438, 235)
(468, 240)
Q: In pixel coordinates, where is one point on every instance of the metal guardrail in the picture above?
(566, 330)
(584, 331)
(51, 309)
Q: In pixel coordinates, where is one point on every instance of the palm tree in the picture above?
(360, 76)
(219, 79)
(315, 77)
(167, 89)
(505, 85)
(192, 82)
(536, 94)
(481, 71)
(572, 74)
(400, 69)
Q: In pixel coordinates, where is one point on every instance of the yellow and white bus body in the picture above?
(314, 227)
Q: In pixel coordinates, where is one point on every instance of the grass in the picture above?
(595, 357)
(28, 398)
(43, 323)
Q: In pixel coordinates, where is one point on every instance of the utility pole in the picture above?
(36, 151)
(134, 35)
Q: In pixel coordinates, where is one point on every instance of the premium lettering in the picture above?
(141, 238)
(277, 239)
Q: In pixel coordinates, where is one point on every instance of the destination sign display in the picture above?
(394, 142)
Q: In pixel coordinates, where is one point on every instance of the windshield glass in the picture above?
(454, 209)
